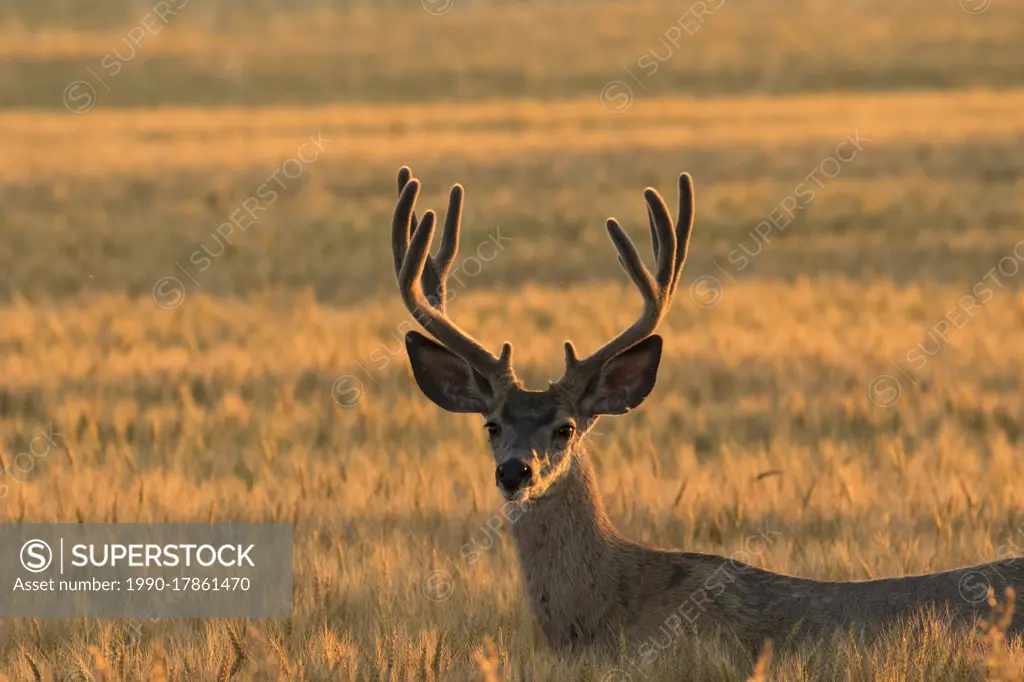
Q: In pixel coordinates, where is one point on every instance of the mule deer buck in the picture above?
(588, 585)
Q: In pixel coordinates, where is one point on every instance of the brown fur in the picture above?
(587, 584)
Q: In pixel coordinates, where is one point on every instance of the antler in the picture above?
(422, 278)
(670, 246)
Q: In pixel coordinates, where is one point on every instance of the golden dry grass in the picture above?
(218, 53)
(227, 406)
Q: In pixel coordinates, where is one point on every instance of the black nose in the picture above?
(513, 474)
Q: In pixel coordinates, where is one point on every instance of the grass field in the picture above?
(257, 375)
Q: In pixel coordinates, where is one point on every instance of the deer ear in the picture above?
(625, 380)
(445, 378)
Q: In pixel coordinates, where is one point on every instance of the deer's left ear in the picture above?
(625, 380)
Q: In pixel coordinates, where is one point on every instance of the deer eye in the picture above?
(565, 431)
(492, 429)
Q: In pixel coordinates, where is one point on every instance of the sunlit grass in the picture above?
(228, 406)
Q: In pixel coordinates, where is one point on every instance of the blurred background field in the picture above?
(266, 381)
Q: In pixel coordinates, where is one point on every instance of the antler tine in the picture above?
(670, 246)
(684, 224)
(417, 270)
(630, 260)
(436, 268)
(403, 218)
(666, 238)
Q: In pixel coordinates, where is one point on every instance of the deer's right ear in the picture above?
(445, 378)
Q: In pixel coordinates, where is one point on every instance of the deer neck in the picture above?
(567, 547)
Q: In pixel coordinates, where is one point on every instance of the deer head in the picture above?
(533, 434)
